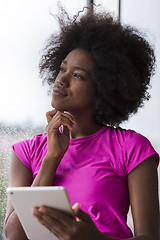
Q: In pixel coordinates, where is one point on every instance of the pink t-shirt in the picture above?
(94, 171)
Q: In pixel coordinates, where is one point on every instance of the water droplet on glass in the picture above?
(10, 134)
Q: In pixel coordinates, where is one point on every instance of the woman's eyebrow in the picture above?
(64, 61)
(82, 69)
(78, 68)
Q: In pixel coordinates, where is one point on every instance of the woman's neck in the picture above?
(86, 125)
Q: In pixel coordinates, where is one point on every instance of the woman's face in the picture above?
(74, 89)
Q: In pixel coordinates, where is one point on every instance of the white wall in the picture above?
(145, 15)
(25, 25)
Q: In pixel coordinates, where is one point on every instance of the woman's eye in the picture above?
(61, 69)
(77, 75)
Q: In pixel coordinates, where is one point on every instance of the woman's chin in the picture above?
(58, 107)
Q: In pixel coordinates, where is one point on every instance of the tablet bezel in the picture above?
(25, 198)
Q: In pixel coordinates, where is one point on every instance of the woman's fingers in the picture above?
(51, 224)
(50, 114)
(54, 112)
(70, 117)
(57, 140)
(57, 215)
(65, 116)
(66, 227)
(81, 214)
(56, 221)
(59, 119)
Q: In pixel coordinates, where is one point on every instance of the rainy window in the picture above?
(25, 26)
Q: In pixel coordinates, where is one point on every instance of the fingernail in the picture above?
(36, 214)
(41, 210)
(73, 124)
(76, 205)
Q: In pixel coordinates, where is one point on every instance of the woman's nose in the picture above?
(63, 80)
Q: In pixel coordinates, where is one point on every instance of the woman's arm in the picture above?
(143, 190)
(20, 175)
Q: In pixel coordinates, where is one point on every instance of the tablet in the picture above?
(25, 198)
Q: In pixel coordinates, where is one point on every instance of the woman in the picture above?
(100, 72)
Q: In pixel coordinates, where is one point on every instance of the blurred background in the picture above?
(25, 25)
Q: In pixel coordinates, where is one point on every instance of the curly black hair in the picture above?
(124, 59)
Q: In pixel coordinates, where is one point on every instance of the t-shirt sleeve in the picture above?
(23, 151)
(137, 149)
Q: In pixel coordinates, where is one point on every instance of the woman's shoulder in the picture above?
(29, 149)
(123, 135)
(130, 141)
(40, 137)
(30, 143)
(124, 140)
(136, 147)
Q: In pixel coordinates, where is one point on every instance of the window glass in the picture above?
(110, 5)
(25, 26)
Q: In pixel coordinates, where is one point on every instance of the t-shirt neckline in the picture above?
(87, 138)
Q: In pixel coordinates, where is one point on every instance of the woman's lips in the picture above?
(59, 92)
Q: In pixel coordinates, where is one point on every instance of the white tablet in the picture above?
(25, 198)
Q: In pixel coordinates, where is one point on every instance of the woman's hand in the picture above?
(57, 145)
(65, 227)
(57, 141)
